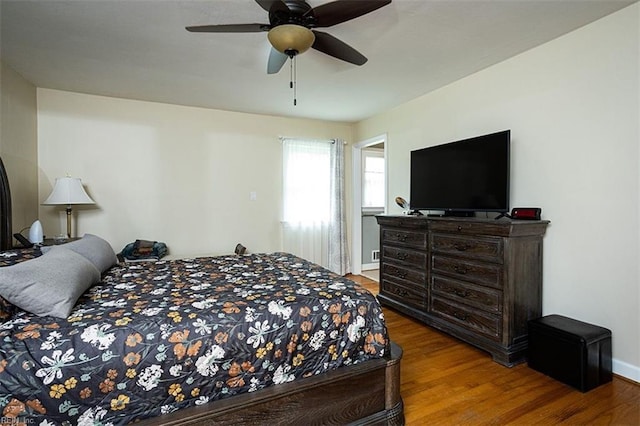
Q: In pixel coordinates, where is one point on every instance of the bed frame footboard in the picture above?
(363, 394)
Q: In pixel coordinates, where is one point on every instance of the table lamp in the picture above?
(68, 191)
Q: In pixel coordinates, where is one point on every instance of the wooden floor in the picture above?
(447, 382)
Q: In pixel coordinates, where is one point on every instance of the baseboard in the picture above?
(369, 266)
(626, 370)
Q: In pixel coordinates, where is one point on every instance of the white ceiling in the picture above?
(139, 49)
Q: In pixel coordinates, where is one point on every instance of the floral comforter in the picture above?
(153, 338)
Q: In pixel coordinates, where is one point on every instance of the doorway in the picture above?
(365, 233)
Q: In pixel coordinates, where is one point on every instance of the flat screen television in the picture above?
(462, 177)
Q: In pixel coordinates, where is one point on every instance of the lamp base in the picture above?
(68, 221)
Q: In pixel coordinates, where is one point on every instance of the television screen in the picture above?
(470, 175)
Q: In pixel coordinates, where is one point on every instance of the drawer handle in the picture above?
(461, 247)
(461, 293)
(400, 292)
(403, 256)
(401, 237)
(461, 317)
(461, 270)
(397, 272)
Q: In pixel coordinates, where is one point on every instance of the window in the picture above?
(306, 180)
(373, 193)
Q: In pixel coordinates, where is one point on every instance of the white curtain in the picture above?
(313, 202)
(338, 250)
(307, 240)
(306, 188)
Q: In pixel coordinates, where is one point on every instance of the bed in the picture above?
(251, 339)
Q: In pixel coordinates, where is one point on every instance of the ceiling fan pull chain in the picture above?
(295, 80)
(293, 77)
(291, 72)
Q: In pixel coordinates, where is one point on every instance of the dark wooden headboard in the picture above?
(5, 209)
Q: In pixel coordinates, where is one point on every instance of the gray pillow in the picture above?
(94, 248)
(50, 284)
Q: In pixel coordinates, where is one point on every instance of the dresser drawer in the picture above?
(413, 258)
(412, 222)
(479, 322)
(473, 227)
(488, 227)
(483, 248)
(419, 277)
(409, 295)
(486, 299)
(415, 239)
(478, 272)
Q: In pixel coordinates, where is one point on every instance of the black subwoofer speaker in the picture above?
(571, 351)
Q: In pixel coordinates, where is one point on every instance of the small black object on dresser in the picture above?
(571, 351)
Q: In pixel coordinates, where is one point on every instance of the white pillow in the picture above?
(50, 284)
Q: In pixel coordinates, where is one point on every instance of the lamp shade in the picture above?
(68, 190)
(291, 39)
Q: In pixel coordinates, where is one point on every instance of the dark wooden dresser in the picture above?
(479, 280)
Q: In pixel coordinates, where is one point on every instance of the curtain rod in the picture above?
(284, 138)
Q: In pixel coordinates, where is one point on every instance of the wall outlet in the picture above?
(375, 255)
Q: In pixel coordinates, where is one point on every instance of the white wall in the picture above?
(572, 107)
(169, 173)
(18, 145)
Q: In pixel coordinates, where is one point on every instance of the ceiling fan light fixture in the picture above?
(289, 38)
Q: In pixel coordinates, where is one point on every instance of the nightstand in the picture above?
(56, 242)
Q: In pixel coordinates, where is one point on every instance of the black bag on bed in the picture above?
(143, 250)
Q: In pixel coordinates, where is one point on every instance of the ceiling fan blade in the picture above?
(330, 45)
(269, 4)
(336, 12)
(276, 61)
(229, 28)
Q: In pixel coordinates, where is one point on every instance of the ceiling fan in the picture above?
(291, 28)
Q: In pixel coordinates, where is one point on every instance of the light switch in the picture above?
(253, 196)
